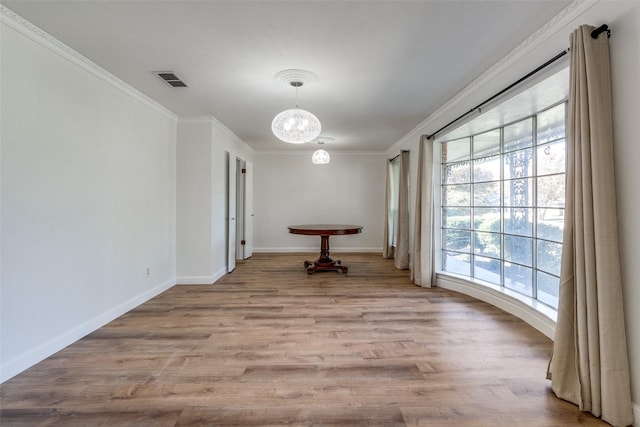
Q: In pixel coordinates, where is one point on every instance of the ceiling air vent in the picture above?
(170, 78)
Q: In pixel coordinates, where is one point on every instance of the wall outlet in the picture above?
(148, 271)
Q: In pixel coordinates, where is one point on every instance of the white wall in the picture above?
(202, 150)
(623, 17)
(87, 198)
(290, 190)
(625, 63)
(194, 253)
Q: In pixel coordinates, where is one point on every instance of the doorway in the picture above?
(239, 210)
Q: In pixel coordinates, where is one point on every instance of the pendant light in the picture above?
(320, 156)
(296, 126)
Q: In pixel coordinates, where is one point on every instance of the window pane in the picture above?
(456, 173)
(551, 191)
(518, 249)
(457, 240)
(456, 263)
(487, 244)
(456, 195)
(551, 124)
(518, 278)
(486, 219)
(456, 217)
(486, 194)
(518, 135)
(391, 224)
(518, 221)
(551, 157)
(487, 269)
(551, 224)
(503, 198)
(518, 192)
(548, 286)
(518, 164)
(486, 144)
(549, 254)
(456, 150)
(486, 169)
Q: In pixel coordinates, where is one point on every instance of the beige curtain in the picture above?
(402, 244)
(387, 247)
(422, 254)
(589, 366)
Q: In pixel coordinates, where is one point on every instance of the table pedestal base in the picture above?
(324, 263)
(332, 265)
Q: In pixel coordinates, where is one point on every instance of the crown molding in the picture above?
(214, 121)
(196, 119)
(553, 26)
(46, 40)
(315, 147)
(233, 136)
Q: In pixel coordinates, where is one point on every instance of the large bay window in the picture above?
(502, 200)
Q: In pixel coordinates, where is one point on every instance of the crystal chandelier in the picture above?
(295, 126)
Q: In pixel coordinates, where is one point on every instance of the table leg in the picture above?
(325, 255)
(324, 263)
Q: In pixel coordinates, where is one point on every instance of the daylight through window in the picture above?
(503, 205)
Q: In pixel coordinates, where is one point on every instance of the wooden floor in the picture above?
(269, 345)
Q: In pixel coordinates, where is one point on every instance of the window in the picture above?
(503, 205)
(394, 186)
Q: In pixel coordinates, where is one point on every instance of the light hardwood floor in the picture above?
(268, 345)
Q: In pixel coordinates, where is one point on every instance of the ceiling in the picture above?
(383, 66)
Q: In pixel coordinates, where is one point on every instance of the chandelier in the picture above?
(320, 156)
(296, 126)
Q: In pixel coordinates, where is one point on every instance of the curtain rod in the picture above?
(401, 151)
(594, 34)
(601, 29)
(517, 82)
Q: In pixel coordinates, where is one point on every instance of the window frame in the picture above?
(440, 241)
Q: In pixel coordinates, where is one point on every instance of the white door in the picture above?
(231, 213)
(240, 208)
(248, 209)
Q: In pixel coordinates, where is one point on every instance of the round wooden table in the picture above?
(324, 263)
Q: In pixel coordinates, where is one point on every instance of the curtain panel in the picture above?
(422, 254)
(387, 246)
(402, 245)
(589, 366)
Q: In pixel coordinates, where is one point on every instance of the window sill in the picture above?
(536, 314)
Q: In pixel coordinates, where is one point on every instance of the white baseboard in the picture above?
(31, 357)
(201, 280)
(314, 249)
(535, 314)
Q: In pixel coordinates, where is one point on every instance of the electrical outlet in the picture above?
(148, 271)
